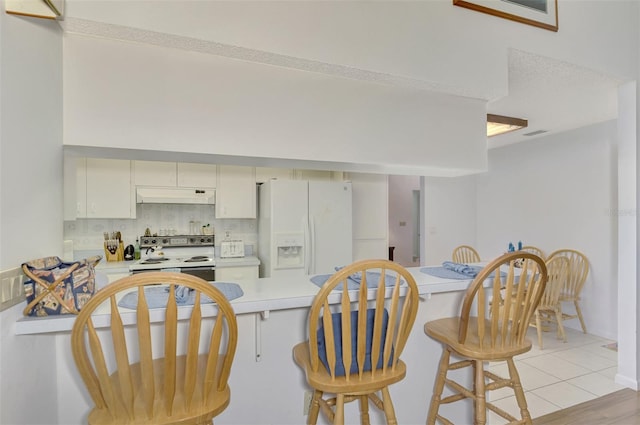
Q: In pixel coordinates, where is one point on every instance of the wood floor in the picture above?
(619, 408)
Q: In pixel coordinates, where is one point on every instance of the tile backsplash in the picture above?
(87, 234)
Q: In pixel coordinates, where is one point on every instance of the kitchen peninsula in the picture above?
(266, 313)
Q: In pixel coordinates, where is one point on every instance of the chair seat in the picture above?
(218, 401)
(446, 331)
(371, 380)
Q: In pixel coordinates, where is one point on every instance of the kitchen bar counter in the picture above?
(260, 296)
(272, 316)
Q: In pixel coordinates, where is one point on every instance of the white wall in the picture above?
(558, 192)
(449, 217)
(401, 235)
(627, 248)
(31, 206)
(129, 95)
(432, 41)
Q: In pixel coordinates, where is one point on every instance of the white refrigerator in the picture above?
(304, 227)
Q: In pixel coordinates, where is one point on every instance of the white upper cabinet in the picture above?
(109, 193)
(371, 215)
(75, 188)
(196, 175)
(171, 174)
(264, 174)
(236, 192)
(318, 175)
(154, 173)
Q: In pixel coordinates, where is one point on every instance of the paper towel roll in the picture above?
(67, 250)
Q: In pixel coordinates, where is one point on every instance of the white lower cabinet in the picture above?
(116, 276)
(232, 274)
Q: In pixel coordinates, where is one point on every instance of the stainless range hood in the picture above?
(175, 195)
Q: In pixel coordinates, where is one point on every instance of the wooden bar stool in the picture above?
(131, 384)
(496, 332)
(465, 254)
(354, 346)
(576, 278)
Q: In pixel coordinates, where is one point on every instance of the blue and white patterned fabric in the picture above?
(157, 296)
(353, 282)
(451, 270)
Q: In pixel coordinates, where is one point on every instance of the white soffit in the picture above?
(554, 96)
(124, 33)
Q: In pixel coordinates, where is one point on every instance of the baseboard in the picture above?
(626, 382)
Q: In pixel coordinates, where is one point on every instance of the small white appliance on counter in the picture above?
(232, 249)
(304, 227)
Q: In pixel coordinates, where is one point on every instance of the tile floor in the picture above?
(560, 375)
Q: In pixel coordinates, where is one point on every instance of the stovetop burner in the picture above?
(154, 261)
(197, 259)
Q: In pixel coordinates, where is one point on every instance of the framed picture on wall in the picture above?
(539, 13)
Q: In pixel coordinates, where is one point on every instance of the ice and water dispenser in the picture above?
(290, 250)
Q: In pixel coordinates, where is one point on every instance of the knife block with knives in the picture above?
(113, 247)
(114, 252)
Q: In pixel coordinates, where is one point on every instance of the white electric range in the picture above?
(191, 254)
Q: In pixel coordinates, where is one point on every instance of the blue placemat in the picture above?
(157, 296)
(447, 273)
(353, 282)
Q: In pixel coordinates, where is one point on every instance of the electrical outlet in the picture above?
(308, 395)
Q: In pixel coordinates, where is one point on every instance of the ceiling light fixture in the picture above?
(499, 124)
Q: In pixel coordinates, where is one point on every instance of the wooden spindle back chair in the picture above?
(487, 331)
(576, 278)
(465, 254)
(549, 309)
(130, 383)
(534, 250)
(354, 346)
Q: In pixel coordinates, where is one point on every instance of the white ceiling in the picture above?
(553, 96)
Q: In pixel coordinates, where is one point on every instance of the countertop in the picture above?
(123, 266)
(260, 296)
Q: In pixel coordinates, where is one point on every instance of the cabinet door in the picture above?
(154, 173)
(321, 175)
(81, 188)
(234, 274)
(264, 174)
(370, 225)
(75, 188)
(109, 189)
(196, 175)
(236, 192)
